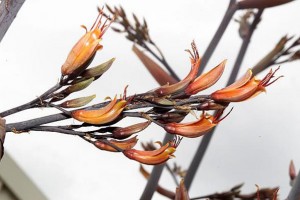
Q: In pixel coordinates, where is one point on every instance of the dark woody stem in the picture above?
(207, 137)
(25, 125)
(57, 130)
(157, 170)
(32, 103)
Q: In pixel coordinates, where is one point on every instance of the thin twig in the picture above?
(57, 130)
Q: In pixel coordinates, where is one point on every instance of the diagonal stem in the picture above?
(232, 8)
(207, 137)
(32, 103)
(157, 170)
(295, 191)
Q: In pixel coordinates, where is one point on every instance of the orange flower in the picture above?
(245, 88)
(103, 115)
(181, 85)
(206, 80)
(197, 128)
(121, 144)
(84, 50)
(154, 157)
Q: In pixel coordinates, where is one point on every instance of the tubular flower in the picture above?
(103, 115)
(154, 157)
(123, 144)
(245, 88)
(181, 85)
(197, 128)
(87, 46)
(206, 80)
(125, 132)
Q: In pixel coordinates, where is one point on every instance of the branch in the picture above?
(8, 11)
(32, 103)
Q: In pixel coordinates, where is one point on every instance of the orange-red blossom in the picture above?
(86, 47)
(206, 80)
(103, 115)
(244, 88)
(197, 128)
(154, 157)
(120, 144)
(181, 85)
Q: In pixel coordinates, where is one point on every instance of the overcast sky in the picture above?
(254, 145)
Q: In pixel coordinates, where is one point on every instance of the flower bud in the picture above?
(181, 85)
(181, 192)
(121, 144)
(78, 102)
(125, 132)
(206, 80)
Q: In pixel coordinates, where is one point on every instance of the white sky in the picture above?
(253, 145)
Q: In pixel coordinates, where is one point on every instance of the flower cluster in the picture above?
(165, 106)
